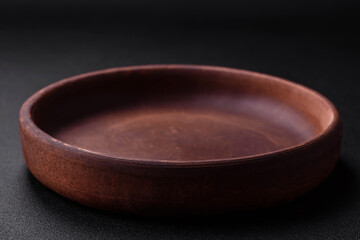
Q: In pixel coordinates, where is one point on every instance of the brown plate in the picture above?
(179, 139)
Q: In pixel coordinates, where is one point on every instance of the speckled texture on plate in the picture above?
(179, 139)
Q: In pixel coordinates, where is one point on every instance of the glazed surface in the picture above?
(184, 114)
(186, 130)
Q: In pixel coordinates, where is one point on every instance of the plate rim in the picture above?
(28, 125)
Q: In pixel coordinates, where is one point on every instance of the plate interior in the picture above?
(180, 116)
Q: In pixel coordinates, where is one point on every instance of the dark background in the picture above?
(315, 43)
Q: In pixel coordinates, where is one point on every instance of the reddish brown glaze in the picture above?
(179, 139)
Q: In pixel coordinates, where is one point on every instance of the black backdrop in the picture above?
(315, 43)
